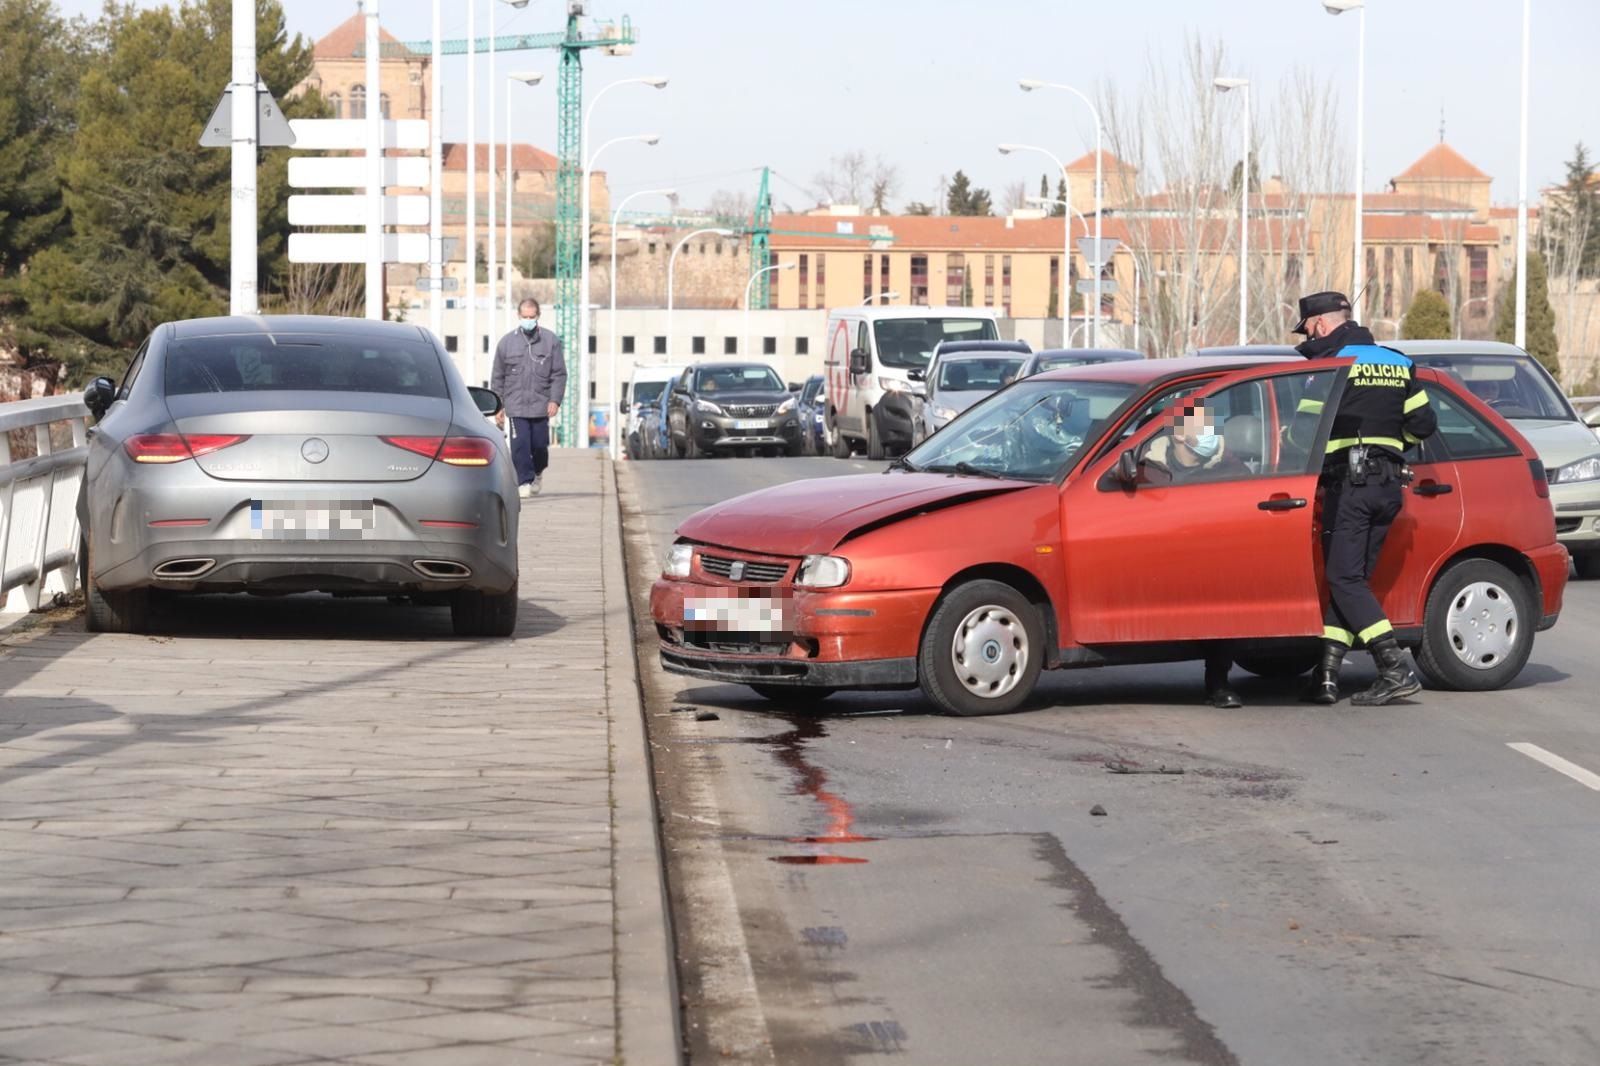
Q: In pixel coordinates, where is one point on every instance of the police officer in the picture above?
(530, 374)
(1380, 411)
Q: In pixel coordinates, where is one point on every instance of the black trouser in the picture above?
(1355, 521)
(530, 447)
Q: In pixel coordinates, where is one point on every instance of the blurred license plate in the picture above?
(735, 614)
(752, 423)
(311, 519)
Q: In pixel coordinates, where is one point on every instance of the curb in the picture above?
(646, 978)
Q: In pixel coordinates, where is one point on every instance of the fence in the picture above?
(39, 484)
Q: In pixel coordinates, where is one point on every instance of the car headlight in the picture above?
(786, 406)
(1582, 470)
(893, 385)
(707, 407)
(822, 572)
(678, 560)
(943, 413)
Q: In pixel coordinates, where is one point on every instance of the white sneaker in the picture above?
(525, 490)
(535, 486)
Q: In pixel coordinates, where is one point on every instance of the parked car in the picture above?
(718, 408)
(1247, 351)
(653, 442)
(1059, 358)
(1034, 532)
(1520, 390)
(870, 354)
(1588, 408)
(645, 387)
(812, 410)
(961, 374)
(296, 454)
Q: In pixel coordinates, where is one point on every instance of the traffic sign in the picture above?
(350, 134)
(352, 247)
(310, 209)
(272, 129)
(350, 172)
(1085, 286)
(1098, 253)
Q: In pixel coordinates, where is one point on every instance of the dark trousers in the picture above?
(1219, 660)
(530, 447)
(1355, 521)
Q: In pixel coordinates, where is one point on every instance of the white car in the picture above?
(644, 389)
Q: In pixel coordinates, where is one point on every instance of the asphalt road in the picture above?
(1345, 885)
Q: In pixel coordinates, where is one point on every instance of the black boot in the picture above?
(1218, 694)
(1324, 687)
(1395, 678)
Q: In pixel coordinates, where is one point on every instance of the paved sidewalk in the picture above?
(328, 831)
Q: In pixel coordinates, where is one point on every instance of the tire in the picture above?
(691, 448)
(1587, 564)
(1478, 612)
(795, 450)
(794, 695)
(474, 613)
(1283, 666)
(634, 451)
(964, 624)
(839, 444)
(874, 438)
(127, 611)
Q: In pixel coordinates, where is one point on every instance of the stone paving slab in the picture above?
(327, 830)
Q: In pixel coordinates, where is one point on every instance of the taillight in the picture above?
(457, 451)
(176, 447)
(1541, 480)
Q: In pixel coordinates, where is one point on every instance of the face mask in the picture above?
(1206, 444)
(530, 324)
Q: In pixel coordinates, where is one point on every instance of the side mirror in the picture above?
(860, 362)
(486, 400)
(99, 395)
(679, 390)
(917, 374)
(794, 386)
(1128, 468)
(622, 407)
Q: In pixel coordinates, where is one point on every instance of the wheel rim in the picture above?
(1483, 625)
(990, 651)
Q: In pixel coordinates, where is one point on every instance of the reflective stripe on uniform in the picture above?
(1350, 442)
(1412, 438)
(1375, 630)
(1414, 401)
(1310, 407)
(1343, 636)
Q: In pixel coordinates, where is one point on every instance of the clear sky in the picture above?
(930, 85)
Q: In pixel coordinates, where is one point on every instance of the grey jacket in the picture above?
(530, 371)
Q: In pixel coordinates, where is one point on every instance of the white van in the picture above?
(870, 356)
(644, 388)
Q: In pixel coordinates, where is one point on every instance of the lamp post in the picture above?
(583, 254)
(494, 267)
(435, 176)
(616, 436)
(885, 295)
(1224, 85)
(1339, 7)
(1522, 190)
(672, 261)
(1066, 250)
(1028, 85)
(529, 78)
(472, 191)
(747, 287)
(1068, 213)
(584, 308)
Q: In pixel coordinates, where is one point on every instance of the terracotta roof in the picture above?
(1108, 162)
(1423, 228)
(951, 233)
(1511, 212)
(524, 157)
(342, 41)
(1405, 201)
(1442, 163)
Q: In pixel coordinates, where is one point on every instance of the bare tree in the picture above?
(1014, 197)
(322, 289)
(853, 178)
(735, 206)
(1567, 221)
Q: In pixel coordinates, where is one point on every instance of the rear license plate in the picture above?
(311, 519)
(752, 423)
(736, 613)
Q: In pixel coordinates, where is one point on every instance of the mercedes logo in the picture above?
(314, 450)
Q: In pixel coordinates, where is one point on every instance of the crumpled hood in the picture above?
(812, 517)
(1558, 443)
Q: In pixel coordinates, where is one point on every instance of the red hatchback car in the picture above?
(1042, 529)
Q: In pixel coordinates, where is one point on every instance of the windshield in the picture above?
(648, 391)
(1030, 431)
(908, 343)
(304, 363)
(1513, 385)
(738, 379)
(975, 375)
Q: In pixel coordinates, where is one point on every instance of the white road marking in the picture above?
(1584, 777)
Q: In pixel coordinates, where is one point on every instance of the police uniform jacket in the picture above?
(1382, 405)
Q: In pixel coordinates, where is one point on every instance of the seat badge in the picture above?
(314, 450)
(736, 571)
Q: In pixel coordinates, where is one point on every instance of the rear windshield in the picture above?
(908, 343)
(1513, 385)
(738, 379)
(648, 391)
(976, 375)
(304, 364)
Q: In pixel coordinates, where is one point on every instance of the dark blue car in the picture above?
(812, 409)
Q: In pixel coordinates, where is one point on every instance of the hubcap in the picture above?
(990, 651)
(1482, 625)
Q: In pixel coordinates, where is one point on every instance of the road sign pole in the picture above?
(374, 205)
(242, 296)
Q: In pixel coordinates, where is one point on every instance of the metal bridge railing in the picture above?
(39, 499)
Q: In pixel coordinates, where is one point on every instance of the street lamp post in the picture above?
(672, 262)
(435, 176)
(472, 191)
(1243, 85)
(616, 435)
(1066, 251)
(529, 78)
(1068, 213)
(1522, 190)
(885, 295)
(1339, 7)
(1030, 84)
(747, 286)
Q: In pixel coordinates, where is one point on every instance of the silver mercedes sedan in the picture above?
(297, 454)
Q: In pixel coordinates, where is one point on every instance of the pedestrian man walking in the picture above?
(530, 374)
(1381, 411)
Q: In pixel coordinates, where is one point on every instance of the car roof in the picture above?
(731, 365)
(1101, 354)
(278, 325)
(1225, 350)
(914, 312)
(1144, 371)
(1436, 349)
(656, 372)
(979, 349)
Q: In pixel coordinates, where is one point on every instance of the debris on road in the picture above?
(1097, 811)
(707, 716)
(1135, 768)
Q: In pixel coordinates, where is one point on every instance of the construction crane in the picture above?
(760, 232)
(613, 39)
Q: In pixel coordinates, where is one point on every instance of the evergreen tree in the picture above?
(1574, 215)
(1044, 193)
(1061, 194)
(1541, 324)
(917, 207)
(1428, 317)
(963, 199)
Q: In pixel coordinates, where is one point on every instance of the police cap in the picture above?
(1320, 303)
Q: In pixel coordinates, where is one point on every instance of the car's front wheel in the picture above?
(123, 611)
(874, 437)
(982, 650)
(1477, 630)
(475, 613)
